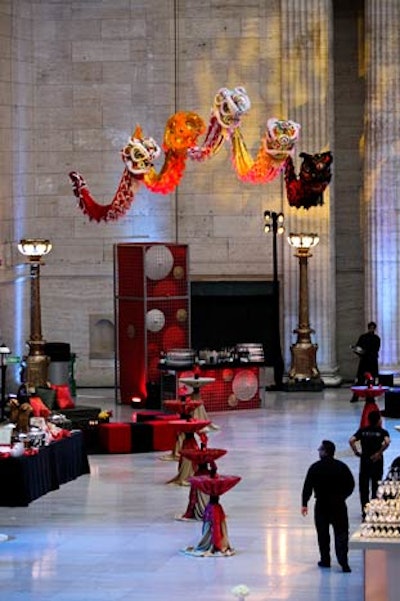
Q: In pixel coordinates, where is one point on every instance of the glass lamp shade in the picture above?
(274, 222)
(305, 241)
(34, 248)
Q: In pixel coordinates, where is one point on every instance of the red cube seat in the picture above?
(115, 437)
(164, 435)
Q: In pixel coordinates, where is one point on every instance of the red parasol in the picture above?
(199, 456)
(214, 486)
(369, 391)
(182, 407)
(194, 425)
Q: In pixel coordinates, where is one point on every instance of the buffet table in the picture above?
(28, 477)
(230, 385)
(381, 566)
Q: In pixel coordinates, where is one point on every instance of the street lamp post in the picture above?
(274, 222)
(37, 361)
(304, 373)
(4, 352)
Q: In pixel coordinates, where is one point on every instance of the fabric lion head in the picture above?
(140, 153)
(315, 174)
(230, 105)
(281, 137)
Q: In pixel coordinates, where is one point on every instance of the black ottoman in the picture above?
(392, 402)
(141, 437)
(386, 378)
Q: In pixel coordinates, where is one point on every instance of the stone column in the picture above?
(381, 194)
(307, 65)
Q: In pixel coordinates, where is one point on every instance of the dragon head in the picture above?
(315, 169)
(230, 105)
(182, 130)
(139, 154)
(281, 137)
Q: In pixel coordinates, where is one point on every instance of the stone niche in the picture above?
(101, 337)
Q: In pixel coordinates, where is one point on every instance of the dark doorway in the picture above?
(227, 313)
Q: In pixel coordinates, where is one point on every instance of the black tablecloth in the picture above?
(24, 479)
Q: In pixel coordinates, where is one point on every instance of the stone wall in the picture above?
(76, 77)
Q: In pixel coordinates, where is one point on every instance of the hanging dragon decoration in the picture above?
(277, 145)
(138, 155)
(307, 189)
(181, 142)
(228, 109)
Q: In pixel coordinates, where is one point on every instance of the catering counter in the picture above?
(24, 479)
(235, 385)
(381, 566)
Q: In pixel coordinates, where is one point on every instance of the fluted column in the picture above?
(381, 194)
(306, 27)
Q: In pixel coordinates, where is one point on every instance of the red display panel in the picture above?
(152, 311)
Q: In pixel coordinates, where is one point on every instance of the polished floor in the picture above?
(111, 536)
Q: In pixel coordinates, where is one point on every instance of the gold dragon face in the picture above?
(182, 130)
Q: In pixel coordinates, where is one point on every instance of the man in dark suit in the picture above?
(332, 482)
(367, 349)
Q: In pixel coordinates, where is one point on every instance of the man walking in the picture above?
(332, 482)
(367, 349)
(374, 440)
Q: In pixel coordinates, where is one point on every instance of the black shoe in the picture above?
(354, 399)
(324, 564)
(346, 568)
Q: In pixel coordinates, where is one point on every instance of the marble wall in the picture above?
(76, 77)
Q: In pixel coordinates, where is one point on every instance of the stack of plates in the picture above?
(180, 357)
(253, 351)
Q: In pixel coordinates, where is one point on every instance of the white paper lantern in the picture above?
(158, 262)
(155, 320)
(245, 385)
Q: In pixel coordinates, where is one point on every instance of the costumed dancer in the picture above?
(370, 403)
(204, 459)
(198, 500)
(214, 540)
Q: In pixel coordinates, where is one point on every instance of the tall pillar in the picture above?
(381, 194)
(306, 27)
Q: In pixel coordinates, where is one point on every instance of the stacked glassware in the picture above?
(382, 515)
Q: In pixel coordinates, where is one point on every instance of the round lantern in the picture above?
(181, 315)
(130, 331)
(155, 320)
(158, 262)
(174, 337)
(227, 375)
(232, 400)
(245, 385)
(178, 272)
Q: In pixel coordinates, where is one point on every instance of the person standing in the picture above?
(374, 440)
(332, 483)
(367, 349)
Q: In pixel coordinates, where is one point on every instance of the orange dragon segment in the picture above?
(181, 133)
(277, 146)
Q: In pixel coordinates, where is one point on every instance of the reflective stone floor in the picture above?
(111, 536)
